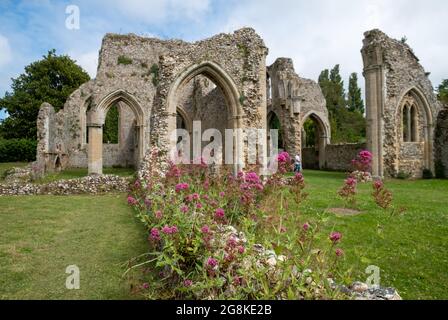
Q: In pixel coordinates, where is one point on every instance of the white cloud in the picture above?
(322, 33)
(5, 51)
(88, 61)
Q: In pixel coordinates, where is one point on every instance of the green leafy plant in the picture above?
(124, 60)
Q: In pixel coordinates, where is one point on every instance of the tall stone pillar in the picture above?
(95, 149)
(374, 78)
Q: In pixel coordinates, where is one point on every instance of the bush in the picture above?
(427, 174)
(15, 150)
(440, 170)
(202, 231)
(403, 175)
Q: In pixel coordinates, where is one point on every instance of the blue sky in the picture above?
(316, 34)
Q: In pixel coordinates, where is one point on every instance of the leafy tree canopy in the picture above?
(51, 80)
(443, 91)
(345, 110)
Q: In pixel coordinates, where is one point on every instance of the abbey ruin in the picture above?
(158, 86)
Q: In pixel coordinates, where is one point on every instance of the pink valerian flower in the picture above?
(181, 187)
(232, 242)
(198, 205)
(306, 226)
(155, 234)
(229, 257)
(283, 157)
(132, 201)
(206, 185)
(148, 203)
(205, 229)
(222, 194)
(169, 230)
(237, 281)
(219, 213)
(363, 161)
(205, 197)
(184, 209)
(145, 286)
(158, 214)
(195, 196)
(188, 283)
(378, 184)
(351, 182)
(174, 171)
(339, 252)
(189, 198)
(335, 237)
(212, 263)
(241, 249)
(137, 184)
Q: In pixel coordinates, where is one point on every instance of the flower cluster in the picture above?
(348, 190)
(363, 161)
(202, 227)
(381, 195)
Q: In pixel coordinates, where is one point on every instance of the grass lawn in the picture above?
(411, 250)
(41, 235)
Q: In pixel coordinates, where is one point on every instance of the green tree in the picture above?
(51, 80)
(346, 125)
(354, 99)
(443, 91)
(110, 130)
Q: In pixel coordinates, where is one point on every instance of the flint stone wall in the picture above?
(338, 157)
(393, 73)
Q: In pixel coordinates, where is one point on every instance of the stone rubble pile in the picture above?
(97, 184)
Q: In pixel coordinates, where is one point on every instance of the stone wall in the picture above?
(339, 157)
(148, 76)
(394, 77)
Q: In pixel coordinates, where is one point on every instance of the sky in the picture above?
(316, 34)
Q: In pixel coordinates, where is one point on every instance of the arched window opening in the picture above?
(314, 140)
(111, 126)
(406, 117)
(414, 124)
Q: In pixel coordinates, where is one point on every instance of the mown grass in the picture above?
(411, 250)
(41, 235)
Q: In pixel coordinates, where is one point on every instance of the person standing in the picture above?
(297, 163)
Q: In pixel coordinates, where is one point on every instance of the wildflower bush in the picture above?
(362, 167)
(348, 191)
(216, 236)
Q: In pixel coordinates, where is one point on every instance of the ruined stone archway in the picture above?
(234, 112)
(313, 155)
(96, 118)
